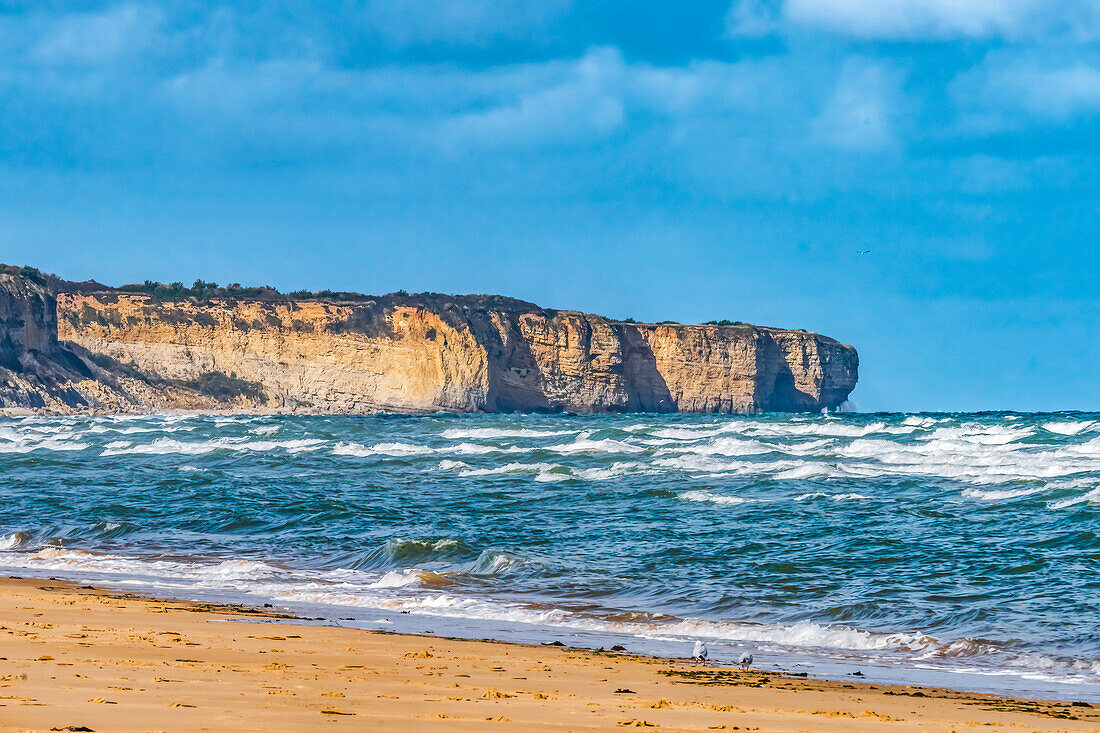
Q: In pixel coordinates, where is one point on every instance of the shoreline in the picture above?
(77, 655)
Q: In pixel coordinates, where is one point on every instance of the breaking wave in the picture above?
(884, 541)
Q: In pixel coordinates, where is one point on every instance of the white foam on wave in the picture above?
(397, 579)
(493, 433)
(706, 465)
(808, 470)
(134, 430)
(995, 495)
(707, 496)
(17, 443)
(396, 450)
(615, 470)
(410, 590)
(537, 468)
(497, 562)
(990, 459)
(402, 450)
(724, 447)
(14, 541)
(241, 570)
(474, 449)
(838, 429)
(549, 472)
(1092, 497)
(1089, 449)
(981, 434)
(834, 497)
(920, 422)
(167, 446)
(585, 444)
(809, 448)
(1070, 428)
(697, 433)
(802, 634)
(789, 469)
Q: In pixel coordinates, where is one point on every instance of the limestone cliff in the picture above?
(399, 353)
(38, 372)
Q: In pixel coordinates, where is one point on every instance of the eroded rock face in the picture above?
(39, 372)
(92, 348)
(462, 353)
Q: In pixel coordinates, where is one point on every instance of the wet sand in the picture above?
(78, 658)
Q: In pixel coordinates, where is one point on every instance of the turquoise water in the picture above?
(956, 549)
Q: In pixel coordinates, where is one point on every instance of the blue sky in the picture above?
(653, 160)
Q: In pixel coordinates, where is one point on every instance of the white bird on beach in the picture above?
(700, 653)
(746, 660)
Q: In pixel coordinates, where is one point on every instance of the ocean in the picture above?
(960, 550)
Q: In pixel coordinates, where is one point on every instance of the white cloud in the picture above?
(1009, 89)
(898, 20)
(1058, 93)
(585, 102)
(861, 115)
(407, 22)
(754, 18)
(96, 38)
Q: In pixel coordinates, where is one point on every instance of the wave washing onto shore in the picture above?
(912, 547)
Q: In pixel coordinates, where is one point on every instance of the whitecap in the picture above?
(707, 496)
(491, 433)
(1069, 428)
(166, 446)
(725, 447)
(14, 541)
(585, 444)
(808, 470)
(481, 449)
(994, 495)
(802, 633)
(539, 468)
(396, 579)
(1091, 497)
(396, 450)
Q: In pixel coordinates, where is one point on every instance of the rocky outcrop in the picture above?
(39, 372)
(399, 353)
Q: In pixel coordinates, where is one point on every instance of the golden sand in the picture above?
(77, 658)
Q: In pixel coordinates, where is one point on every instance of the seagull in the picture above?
(746, 660)
(700, 653)
(865, 252)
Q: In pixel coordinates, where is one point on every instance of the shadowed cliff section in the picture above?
(163, 347)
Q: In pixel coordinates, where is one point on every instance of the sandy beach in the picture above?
(78, 658)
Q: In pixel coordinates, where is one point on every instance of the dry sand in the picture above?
(77, 658)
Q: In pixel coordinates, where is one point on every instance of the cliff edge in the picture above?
(87, 347)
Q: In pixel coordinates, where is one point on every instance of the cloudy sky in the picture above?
(655, 160)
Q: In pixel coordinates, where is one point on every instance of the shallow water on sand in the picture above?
(953, 549)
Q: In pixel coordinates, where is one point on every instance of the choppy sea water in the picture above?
(953, 549)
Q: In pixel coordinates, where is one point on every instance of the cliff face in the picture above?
(92, 348)
(37, 371)
(410, 354)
